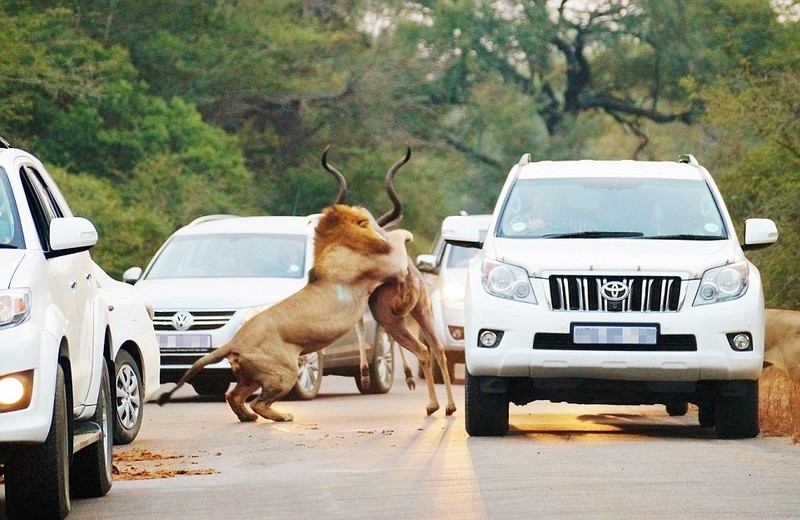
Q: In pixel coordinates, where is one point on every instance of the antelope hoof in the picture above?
(432, 408)
(412, 384)
(365, 381)
(450, 409)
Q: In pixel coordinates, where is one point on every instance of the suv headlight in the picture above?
(724, 283)
(15, 306)
(506, 281)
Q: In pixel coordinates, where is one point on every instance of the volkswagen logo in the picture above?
(182, 320)
(614, 291)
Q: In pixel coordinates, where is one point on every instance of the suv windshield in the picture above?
(612, 207)
(231, 255)
(10, 231)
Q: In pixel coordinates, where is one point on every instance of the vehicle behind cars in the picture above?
(220, 270)
(56, 413)
(617, 282)
(445, 273)
(137, 363)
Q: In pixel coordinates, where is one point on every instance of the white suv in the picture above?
(616, 282)
(56, 414)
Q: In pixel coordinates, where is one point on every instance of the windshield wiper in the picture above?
(684, 236)
(8, 246)
(596, 234)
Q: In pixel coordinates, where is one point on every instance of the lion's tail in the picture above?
(212, 357)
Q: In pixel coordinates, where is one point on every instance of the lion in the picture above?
(351, 259)
(782, 341)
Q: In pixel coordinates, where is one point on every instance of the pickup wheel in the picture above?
(485, 413)
(737, 415)
(37, 478)
(90, 475)
(128, 395)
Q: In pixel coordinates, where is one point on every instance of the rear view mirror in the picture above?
(759, 233)
(462, 231)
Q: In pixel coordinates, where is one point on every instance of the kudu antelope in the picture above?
(396, 299)
(782, 341)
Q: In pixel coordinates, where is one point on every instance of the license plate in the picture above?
(184, 343)
(614, 334)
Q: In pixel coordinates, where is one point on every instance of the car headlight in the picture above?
(506, 281)
(453, 292)
(15, 306)
(722, 284)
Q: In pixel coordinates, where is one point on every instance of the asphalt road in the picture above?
(366, 457)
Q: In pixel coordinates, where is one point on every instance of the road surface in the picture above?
(379, 456)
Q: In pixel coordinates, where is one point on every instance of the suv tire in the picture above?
(737, 415)
(91, 472)
(37, 478)
(485, 414)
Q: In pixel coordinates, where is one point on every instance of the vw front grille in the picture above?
(201, 320)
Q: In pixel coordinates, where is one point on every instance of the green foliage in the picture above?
(152, 113)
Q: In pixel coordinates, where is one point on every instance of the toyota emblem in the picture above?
(182, 320)
(614, 291)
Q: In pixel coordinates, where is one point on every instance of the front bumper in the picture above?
(26, 352)
(713, 359)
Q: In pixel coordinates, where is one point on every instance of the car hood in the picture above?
(9, 261)
(691, 258)
(216, 293)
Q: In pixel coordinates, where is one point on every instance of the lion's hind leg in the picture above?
(262, 404)
(236, 399)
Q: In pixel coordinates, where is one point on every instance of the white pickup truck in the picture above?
(56, 415)
(613, 282)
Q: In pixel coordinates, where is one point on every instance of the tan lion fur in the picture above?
(350, 260)
(782, 341)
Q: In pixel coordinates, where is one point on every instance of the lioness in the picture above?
(782, 341)
(351, 259)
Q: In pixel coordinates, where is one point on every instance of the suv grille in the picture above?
(200, 320)
(645, 293)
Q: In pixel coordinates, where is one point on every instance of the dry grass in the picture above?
(779, 405)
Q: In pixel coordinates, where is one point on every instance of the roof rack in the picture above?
(688, 158)
(209, 218)
(525, 159)
(4, 143)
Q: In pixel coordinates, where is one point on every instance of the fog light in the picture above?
(489, 338)
(456, 332)
(11, 391)
(740, 341)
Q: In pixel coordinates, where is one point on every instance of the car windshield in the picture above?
(458, 256)
(10, 230)
(231, 255)
(641, 208)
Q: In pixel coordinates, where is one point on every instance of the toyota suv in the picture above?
(613, 282)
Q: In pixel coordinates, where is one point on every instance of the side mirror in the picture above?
(132, 275)
(70, 235)
(462, 231)
(759, 233)
(427, 264)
